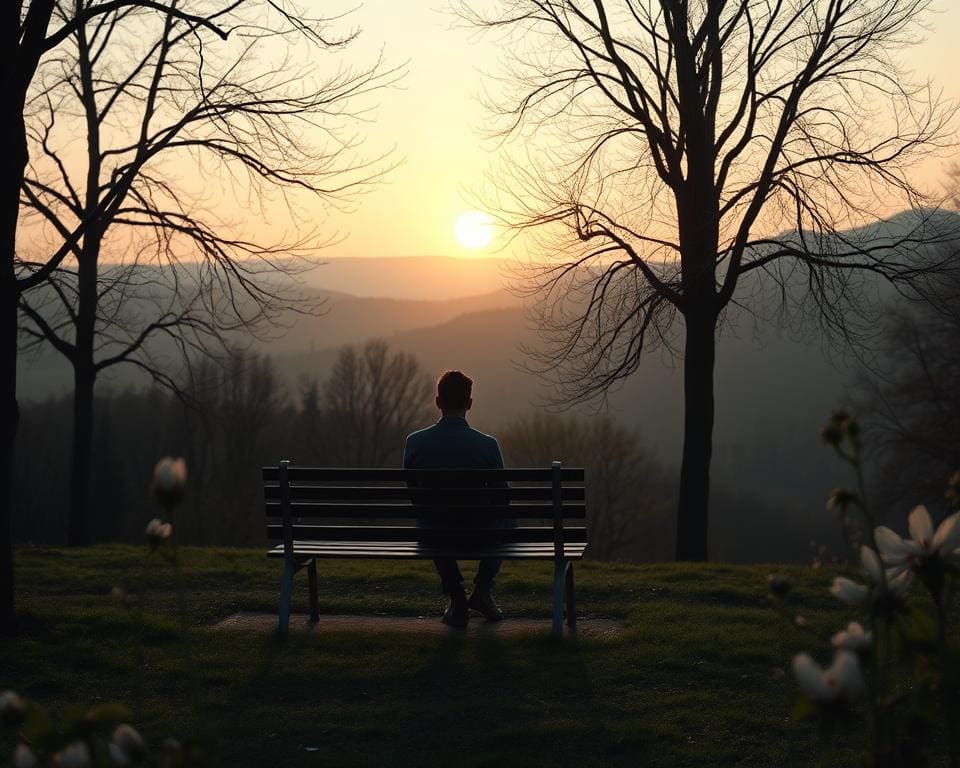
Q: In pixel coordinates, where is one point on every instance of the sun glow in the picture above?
(474, 229)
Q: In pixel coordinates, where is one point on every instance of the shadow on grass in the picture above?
(385, 698)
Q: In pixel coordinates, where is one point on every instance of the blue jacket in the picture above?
(451, 443)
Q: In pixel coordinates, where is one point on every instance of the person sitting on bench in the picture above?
(451, 443)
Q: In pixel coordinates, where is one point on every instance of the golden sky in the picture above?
(436, 123)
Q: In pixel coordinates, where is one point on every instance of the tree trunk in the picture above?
(78, 529)
(700, 351)
(13, 138)
(9, 421)
(84, 377)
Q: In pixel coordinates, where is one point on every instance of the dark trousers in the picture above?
(452, 579)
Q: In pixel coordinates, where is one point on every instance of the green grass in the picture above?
(695, 679)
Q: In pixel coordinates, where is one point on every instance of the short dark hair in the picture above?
(454, 389)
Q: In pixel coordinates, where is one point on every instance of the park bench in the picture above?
(319, 512)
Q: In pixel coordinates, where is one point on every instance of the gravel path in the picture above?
(264, 623)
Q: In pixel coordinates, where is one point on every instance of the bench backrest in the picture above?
(430, 506)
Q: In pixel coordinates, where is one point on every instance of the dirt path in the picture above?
(264, 623)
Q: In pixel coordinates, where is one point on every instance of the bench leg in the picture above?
(286, 590)
(314, 601)
(571, 598)
(558, 568)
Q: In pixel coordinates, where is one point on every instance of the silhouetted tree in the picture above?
(155, 95)
(26, 38)
(627, 513)
(370, 402)
(310, 428)
(236, 420)
(683, 135)
(910, 401)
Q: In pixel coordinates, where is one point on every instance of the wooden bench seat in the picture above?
(510, 514)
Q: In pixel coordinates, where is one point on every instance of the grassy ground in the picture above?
(695, 679)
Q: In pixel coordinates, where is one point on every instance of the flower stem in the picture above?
(182, 617)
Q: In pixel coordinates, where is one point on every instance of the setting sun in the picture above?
(474, 229)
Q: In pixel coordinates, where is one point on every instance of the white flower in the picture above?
(853, 638)
(74, 755)
(871, 564)
(946, 540)
(169, 480)
(158, 530)
(901, 554)
(23, 757)
(849, 592)
(842, 680)
(898, 584)
(128, 741)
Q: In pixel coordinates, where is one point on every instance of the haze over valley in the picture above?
(772, 391)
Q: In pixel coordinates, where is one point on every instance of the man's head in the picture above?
(453, 393)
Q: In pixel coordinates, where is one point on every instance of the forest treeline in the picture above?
(234, 416)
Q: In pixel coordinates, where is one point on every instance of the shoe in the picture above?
(482, 602)
(456, 614)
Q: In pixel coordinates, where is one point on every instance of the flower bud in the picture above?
(158, 531)
(840, 424)
(831, 434)
(853, 638)
(839, 499)
(849, 592)
(169, 480)
(842, 680)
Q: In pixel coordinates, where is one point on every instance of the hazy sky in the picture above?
(436, 123)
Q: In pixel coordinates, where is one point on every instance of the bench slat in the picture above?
(413, 550)
(437, 536)
(387, 511)
(420, 495)
(385, 474)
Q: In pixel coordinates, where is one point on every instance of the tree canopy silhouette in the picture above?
(700, 156)
(161, 265)
(189, 89)
(910, 404)
(370, 401)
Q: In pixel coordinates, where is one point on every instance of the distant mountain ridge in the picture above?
(416, 278)
(345, 319)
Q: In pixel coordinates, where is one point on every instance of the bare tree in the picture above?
(911, 406)
(683, 136)
(370, 402)
(628, 516)
(909, 401)
(308, 440)
(235, 416)
(152, 96)
(26, 39)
